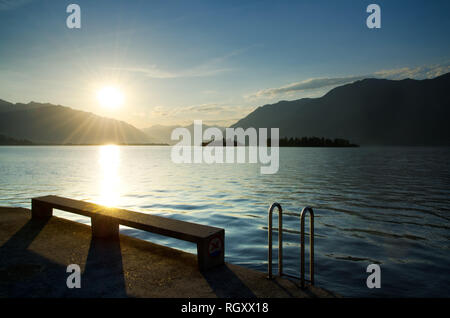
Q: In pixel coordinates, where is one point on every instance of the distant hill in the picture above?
(162, 133)
(366, 112)
(9, 107)
(6, 140)
(51, 124)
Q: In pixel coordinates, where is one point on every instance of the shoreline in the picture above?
(35, 255)
(167, 145)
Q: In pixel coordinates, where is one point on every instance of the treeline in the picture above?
(295, 142)
(313, 142)
(7, 141)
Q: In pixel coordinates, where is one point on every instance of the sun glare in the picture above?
(110, 97)
(109, 161)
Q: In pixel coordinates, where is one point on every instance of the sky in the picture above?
(176, 61)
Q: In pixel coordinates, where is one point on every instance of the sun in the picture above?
(110, 97)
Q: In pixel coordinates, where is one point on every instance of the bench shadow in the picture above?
(103, 274)
(24, 273)
(226, 284)
(20, 240)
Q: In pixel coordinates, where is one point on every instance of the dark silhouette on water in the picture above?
(206, 143)
(290, 142)
(313, 142)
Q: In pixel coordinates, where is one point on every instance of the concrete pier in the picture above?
(34, 255)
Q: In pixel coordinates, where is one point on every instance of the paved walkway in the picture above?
(34, 256)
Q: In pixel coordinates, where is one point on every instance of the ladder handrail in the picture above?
(302, 243)
(280, 239)
(311, 245)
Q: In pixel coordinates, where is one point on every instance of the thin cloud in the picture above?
(213, 113)
(420, 72)
(211, 67)
(309, 84)
(154, 72)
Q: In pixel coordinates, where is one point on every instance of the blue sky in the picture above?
(176, 61)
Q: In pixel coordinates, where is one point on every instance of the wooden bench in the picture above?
(105, 223)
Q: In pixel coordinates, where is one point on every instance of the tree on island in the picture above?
(313, 142)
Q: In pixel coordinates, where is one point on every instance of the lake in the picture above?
(388, 205)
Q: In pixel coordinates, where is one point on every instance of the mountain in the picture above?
(367, 112)
(160, 133)
(55, 124)
(8, 107)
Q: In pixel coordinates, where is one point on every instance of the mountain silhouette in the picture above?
(366, 112)
(55, 124)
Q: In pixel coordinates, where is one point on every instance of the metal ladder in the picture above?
(302, 244)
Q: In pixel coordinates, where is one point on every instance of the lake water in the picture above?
(389, 206)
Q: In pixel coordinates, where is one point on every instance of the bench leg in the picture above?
(40, 210)
(104, 227)
(211, 251)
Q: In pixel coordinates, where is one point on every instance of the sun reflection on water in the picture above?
(109, 160)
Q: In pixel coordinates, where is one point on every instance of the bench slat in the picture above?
(183, 230)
